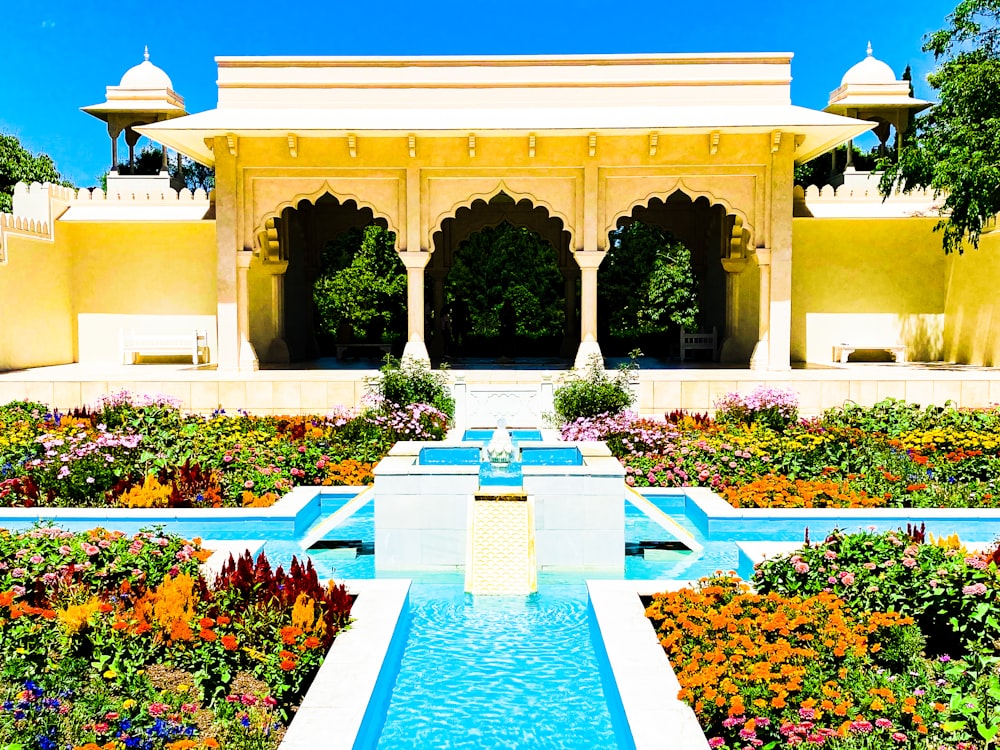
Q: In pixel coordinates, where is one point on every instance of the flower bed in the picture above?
(862, 641)
(142, 452)
(118, 642)
(757, 454)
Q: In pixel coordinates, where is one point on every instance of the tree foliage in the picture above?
(954, 149)
(362, 284)
(647, 283)
(508, 263)
(17, 164)
(149, 161)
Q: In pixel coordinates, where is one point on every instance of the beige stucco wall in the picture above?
(972, 304)
(35, 303)
(152, 277)
(867, 281)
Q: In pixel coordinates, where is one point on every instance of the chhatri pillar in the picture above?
(589, 263)
(416, 346)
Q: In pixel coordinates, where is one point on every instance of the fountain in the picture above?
(570, 494)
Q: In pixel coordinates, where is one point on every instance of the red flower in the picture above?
(229, 642)
(223, 620)
(207, 622)
(207, 634)
(287, 664)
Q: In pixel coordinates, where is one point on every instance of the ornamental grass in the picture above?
(115, 641)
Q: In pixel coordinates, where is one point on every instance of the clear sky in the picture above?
(58, 56)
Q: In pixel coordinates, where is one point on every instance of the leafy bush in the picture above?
(593, 393)
(402, 383)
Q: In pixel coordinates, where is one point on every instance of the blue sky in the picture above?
(59, 56)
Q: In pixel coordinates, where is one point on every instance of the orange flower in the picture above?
(208, 635)
(287, 664)
(223, 620)
(311, 642)
(6, 598)
(229, 642)
(119, 625)
(289, 635)
(207, 622)
(210, 742)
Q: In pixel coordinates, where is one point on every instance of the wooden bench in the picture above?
(842, 351)
(133, 344)
(343, 348)
(692, 340)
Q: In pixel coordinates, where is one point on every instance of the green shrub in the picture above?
(593, 392)
(408, 381)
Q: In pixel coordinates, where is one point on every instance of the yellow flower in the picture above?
(110, 674)
(128, 703)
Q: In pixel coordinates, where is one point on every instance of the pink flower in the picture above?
(847, 578)
(976, 589)
(909, 562)
(883, 723)
(898, 736)
(801, 567)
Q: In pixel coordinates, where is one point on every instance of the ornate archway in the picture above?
(287, 261)
(719, 240)
(502, 215)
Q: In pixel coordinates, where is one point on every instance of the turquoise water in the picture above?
(505, 672)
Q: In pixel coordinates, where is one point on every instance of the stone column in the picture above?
(416, 348)
(761, 352)
(732, 350)
(277, 350)
(780, 283)
(248, 357)
(226, 237)
(588, 262)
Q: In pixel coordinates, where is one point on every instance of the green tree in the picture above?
(149, 161)
(647, 283)
(954, 148)
(362, 284)
(509, 263)
(17, 164)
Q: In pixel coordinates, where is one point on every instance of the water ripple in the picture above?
(498, 672)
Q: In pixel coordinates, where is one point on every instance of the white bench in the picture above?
(133, 344)
(842, 351)
(691, 340)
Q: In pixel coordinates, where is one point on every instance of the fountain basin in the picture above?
(423, 508)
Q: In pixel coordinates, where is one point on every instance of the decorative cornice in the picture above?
(654, 141)
(293, 145)
(713, 142)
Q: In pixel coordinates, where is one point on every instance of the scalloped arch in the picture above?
(680, 186)
(313, 196)
(486, 197)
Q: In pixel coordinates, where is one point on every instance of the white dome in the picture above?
(869, 70)
(145, 75)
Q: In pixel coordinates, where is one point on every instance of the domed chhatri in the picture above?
(145, 76)
(871, 91)
(869, 70)
(144, 96)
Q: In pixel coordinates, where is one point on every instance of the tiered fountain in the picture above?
(561, 501)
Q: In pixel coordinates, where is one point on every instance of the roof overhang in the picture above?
(814, 132)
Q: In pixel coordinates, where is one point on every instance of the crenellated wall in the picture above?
(76, 269)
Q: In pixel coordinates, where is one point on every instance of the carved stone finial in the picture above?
(145, 53)
(869, 49)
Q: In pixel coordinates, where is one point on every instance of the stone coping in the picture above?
(292, 514)
(346, 704)
(707, 507)
(351, 690)
(636, 672)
